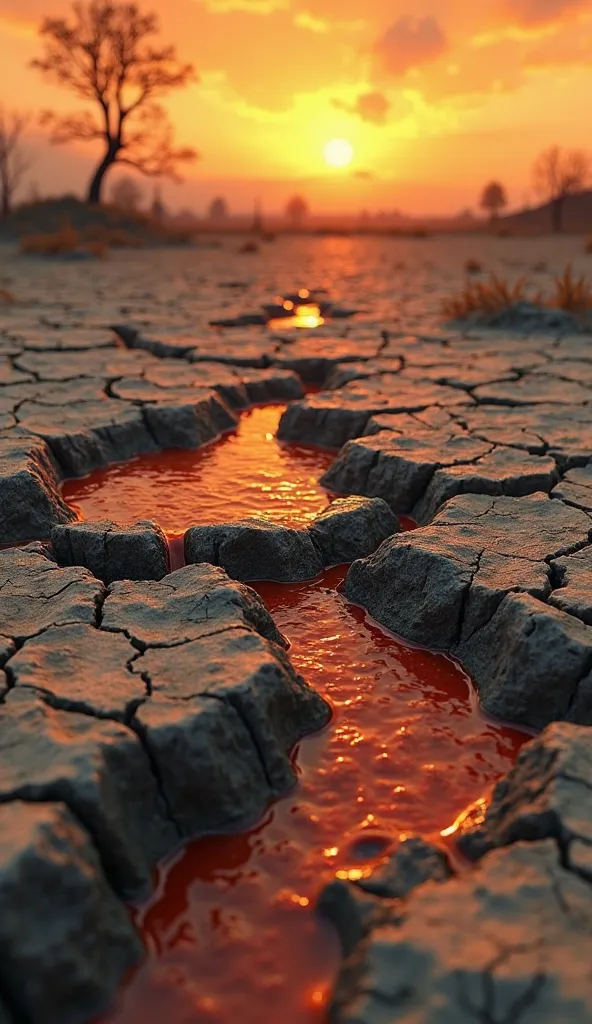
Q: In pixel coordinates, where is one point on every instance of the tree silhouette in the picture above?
(14, 162)
(218, 209)
(560, 173)
(106, 56)
(494, 199)
(126, 193)
(296, 210)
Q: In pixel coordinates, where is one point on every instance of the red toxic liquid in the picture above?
(231, 932)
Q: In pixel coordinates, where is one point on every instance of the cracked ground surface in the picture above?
(136, 714)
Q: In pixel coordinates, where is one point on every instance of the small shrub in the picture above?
(6, 297)
(473, 267)
(573, 294)
(61, 243)
(98, 249)
(488, 297)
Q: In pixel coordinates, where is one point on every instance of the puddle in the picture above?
(231, 932)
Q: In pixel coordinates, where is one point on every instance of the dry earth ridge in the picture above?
(485, 439)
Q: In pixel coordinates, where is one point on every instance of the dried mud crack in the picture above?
(163, 735)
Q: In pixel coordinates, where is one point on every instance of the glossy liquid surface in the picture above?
(247, 472)
(231, 932)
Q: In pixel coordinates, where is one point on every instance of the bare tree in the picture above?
(218, 209)
(560, 173)
(296, 210)
(105, 55)
(494, 199)
(126, 193)
(14, 161)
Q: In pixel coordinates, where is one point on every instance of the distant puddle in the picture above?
(231, 932)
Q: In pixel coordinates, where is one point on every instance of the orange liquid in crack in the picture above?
(231, 932)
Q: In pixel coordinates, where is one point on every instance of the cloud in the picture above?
(369, 106)
(408, 42)
(540, 12)
(250, 6)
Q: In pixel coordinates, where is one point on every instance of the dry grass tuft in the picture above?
(573, 294)
(473, 267)
(487, 297)
(570, 293)
(6, 297)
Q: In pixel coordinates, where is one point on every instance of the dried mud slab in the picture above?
(352, 528)
(30, 500)
(255, 549)
(501, 941)
(476, 582)
(505, 938)
(112, 552)
(59, 919)
(331, 418)
(547, 794)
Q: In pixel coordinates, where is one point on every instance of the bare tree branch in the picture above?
(105, 55)
(14, 161)
(560, 173)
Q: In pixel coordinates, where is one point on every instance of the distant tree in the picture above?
(126, 193)
(218, 209)
(14, 161)
(296, 210)
(493, 199)
(559, 173)
(105, 55)
(158, 209)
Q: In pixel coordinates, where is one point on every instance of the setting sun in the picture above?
(338, 153)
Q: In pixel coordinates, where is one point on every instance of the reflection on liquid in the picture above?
(246, 473)
(231, 932)
(305, 315)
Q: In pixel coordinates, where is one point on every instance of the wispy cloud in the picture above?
(410, 42)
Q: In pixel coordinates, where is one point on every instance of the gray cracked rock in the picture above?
(418, 463)
(138, 551)
(66, 941)
(503, 942)
(188, 422)
(505, 471)
(573, 583)
(225, 714)
(414, 862)
(356, 908)
(576, 488)
(100, 770)
(208, 766)
(352, 528)
(80, 668)
(30, 500)
(399, 468)
(242, 668)
(563, 433)
(255, 549)
(331, 418)
(193, 602)
(474, 582)
(36, 593)
(531, 663)
(547, 794)
(87, 435)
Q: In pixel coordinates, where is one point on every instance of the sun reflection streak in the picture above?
(475, 813)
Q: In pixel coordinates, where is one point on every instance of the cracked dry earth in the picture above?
(270, 783)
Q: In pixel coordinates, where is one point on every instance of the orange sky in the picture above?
(436, 96)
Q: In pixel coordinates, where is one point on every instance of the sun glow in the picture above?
(338, 153)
